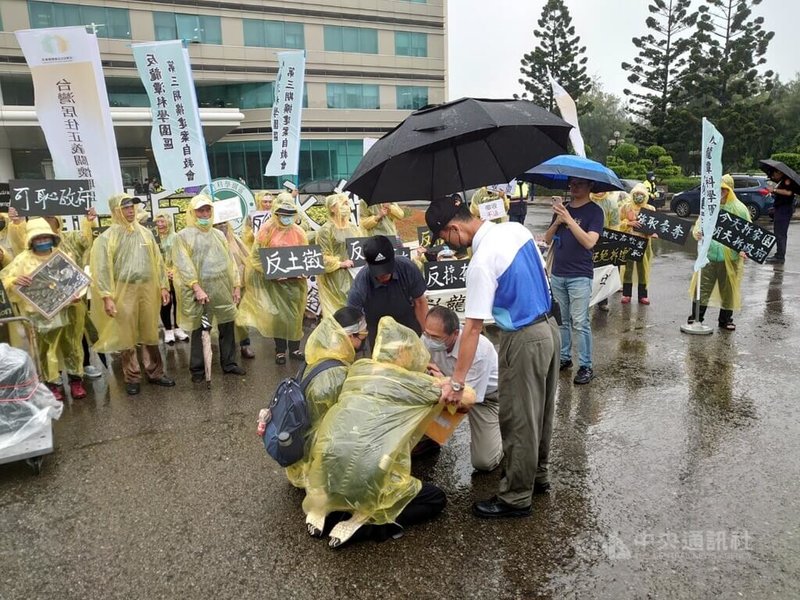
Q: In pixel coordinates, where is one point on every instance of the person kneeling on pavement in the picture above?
(360, 474)
(442, 337)
(336, 338)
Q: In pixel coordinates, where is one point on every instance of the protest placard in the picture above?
(617, 248)
(291, 261)
(6, 310)
(355, 249)
(258, 217)
(493, 209)
(446, 275)
(452, 299)
(44, 197)
(55, 283)
(666, 227)
(425, 238)
(5, 197)
(227, 210)
(741, 235)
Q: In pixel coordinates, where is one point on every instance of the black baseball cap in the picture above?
(379, 254)
(441, 212)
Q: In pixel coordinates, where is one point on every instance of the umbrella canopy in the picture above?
(205, 339)
(452, 147)
(555, 173)
(768, 166)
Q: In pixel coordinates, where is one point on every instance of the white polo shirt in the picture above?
(482, 375)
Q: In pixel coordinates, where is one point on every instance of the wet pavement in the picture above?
(675, 475)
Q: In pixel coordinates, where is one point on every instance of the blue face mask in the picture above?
(203, 222)
(43, 246)
(286, 220)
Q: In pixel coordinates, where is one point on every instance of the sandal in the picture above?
(280, 358)
(729, 326)
(297, 355)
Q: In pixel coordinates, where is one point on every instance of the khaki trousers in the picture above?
(151, 359)
(486, 443)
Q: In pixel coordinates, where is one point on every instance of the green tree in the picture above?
(605, 116)
(657, 68)
(558, 50)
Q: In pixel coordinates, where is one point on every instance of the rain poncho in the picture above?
(274, 307)
(26, 406)
(126, 266)
(240, 254)
(54, 336)
(722, 277)
(608, 202)
(334, 283)
(628, 213)
(166, 241)
(201, 256)
(5, 242)
(328, 341)
(371, 222)
(482, 196)
(263, 202)
(361, 459)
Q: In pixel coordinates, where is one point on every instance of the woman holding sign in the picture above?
(275, 307)
(482, 196)
(721, 278)
(629, 223)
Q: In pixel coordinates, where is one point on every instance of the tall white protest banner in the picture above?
(177, 135)
(569, 112)
(710, 189)
(72, 107)
(286, 114)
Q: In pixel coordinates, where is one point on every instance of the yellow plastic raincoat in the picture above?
(361, 458)
(629, 213)
(274, 307)
(482, 196)
(54, 337)
(166, 241)
(721, 284)
(263, 202)
(373, 223)
(328, 341)
(127, 267)
(334, 283)
(5, 242)
(608, 202)
(201, 256)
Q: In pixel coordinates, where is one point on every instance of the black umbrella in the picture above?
(467, 143)
(768, 166)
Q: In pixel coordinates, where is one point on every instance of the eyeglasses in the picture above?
(362, 335)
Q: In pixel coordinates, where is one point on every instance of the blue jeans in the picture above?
(573, 294)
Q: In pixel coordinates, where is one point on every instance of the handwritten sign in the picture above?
(741, 235)
(5, 197)
(35, 197)
(493, 209)
(54, 285)
(668, 228)
(258, 218)
(454, 300)
(226, 210)
(355, 249)
(6, 310)
(446, 275)
(425, 238)
(617, 248)
(291, 261)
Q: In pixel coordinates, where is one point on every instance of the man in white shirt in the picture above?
(442, 337)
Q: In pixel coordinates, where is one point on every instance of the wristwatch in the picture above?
(456, 387)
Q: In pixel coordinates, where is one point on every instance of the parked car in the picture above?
(752, 190)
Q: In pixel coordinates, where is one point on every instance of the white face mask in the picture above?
(286, 220)
(433, 345)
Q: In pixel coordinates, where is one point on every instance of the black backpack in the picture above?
(285, 433)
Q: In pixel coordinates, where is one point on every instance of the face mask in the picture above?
(43, 246)
(203, 222)
(457, 248)
(638, 199)
(286, 220)
(344, 211)
(433, 345)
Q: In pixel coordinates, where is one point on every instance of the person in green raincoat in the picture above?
(335, 338)
(334, 283)
(379, 219)
(275, 307)
(721, 278)
(206, 280)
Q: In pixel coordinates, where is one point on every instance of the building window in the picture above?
(195, 28)
(411, 97)
(353, 95)
(110, 22)
(409, 43)
(273, 34)
(351, 39)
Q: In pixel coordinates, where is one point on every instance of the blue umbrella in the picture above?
(555, 173)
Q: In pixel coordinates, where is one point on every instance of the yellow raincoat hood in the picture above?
(37, 227)
(335, 204)
(197, 202)
(329, 340)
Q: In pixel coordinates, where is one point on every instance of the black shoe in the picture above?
(297, 355)
(198, 377)
(235, 370)
(585, 375)
(541, 488)
(163, 381)
(424, 447)
(565, 364)
(494, 508)
(132, 388)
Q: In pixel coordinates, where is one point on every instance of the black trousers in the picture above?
(227, 349)
(169, 316)
(725, 316)
(783, 216)
(281, 345)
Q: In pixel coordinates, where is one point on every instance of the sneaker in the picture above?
(585, 375)
(180, 334)
(247, 352)
(169, 337)
(76, 389)
(92, 372)
(57, 390)
(565, 364)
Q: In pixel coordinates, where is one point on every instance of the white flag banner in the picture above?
(177, 135)
(72, 107)
(569, 112)
(710, 189)
(287, 110)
